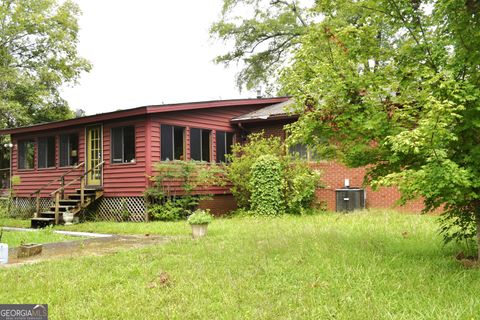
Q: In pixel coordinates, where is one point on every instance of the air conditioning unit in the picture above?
(350, 199)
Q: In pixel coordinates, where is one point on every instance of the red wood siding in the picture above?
(33, 179)
(218, 119)
(127, 179)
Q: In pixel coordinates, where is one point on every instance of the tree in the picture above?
(262, 41)
(38, 54)
(395, 85)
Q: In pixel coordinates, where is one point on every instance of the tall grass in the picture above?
(370, 265)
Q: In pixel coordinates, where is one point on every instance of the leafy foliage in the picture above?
(242, 159)
(178, 186)
(298, 180)
(266, 185)
(200, 216)
(38, 54)
(394, 85)
(261, 41)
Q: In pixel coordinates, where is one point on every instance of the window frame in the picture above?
(184, 142)
(225, 133)
(210, 144)
(309, 153)
(134, 160)
(47, 152)
(69, 134)
(26, 141)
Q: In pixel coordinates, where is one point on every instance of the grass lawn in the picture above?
(372, 265)
(16, 238)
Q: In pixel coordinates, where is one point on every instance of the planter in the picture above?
(28, 250)
(199, 230)
(3, 253)
(68, 218)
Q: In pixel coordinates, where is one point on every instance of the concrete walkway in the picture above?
(94, 246)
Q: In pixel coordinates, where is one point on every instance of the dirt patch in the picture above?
(88, 247)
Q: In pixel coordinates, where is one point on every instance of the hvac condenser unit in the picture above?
(350, 199)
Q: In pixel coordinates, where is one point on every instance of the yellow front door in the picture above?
(94, 155)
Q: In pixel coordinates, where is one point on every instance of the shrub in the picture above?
(178, 186)
(168, 211)
(200, 217)
(300, 185)
(298, 180)
(242, 160)
(266, 183)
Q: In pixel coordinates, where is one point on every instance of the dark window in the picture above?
(299, 150)
(302, 151)
(224, 145)
(123, 144)
(173, 143)
(68, 150)
(46, 152)
(26, 151)
(200, 144)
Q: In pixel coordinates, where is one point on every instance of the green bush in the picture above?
(200, 217)
(300, 185)
(241, 162)
(298, 180)
(266, 184)
(176, 185)
(168, 211)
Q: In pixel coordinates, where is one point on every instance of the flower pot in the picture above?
(199, 230)
(3, 253)
(68, 218)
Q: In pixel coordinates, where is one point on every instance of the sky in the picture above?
(148, 52)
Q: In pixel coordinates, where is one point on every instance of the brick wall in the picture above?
(220, 204)
(334, 175)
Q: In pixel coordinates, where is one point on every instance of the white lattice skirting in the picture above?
(119, 209)
(110, 209)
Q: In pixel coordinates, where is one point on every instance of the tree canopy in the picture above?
(390, 84)
(38, 54)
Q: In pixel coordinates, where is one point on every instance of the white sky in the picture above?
(149, 52)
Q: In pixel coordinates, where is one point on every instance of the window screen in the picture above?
(26, 150)
(123, 144)
(46, 152)
(68, 150)
(173, 143)
(200, 144)
(224, 145)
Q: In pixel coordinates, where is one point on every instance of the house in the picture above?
(104, 161)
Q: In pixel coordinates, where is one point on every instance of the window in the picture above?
(26, 150)
(46, 152)
(302, 151)
(123, 144)
(200, 144)
(224, 144)
(173, 143)
(68, 150)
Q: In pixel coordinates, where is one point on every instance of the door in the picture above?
(94, 155)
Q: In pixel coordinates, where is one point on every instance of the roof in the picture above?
(276, 111)
(143, 111)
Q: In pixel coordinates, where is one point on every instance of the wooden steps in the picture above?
(71, 203)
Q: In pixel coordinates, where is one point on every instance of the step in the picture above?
(89, 190)
(37, 223)
(62, 208)
(77, 196)
(69, 202)
(50, 214)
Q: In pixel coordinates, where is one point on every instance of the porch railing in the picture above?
(60, 179)
(58, 194)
